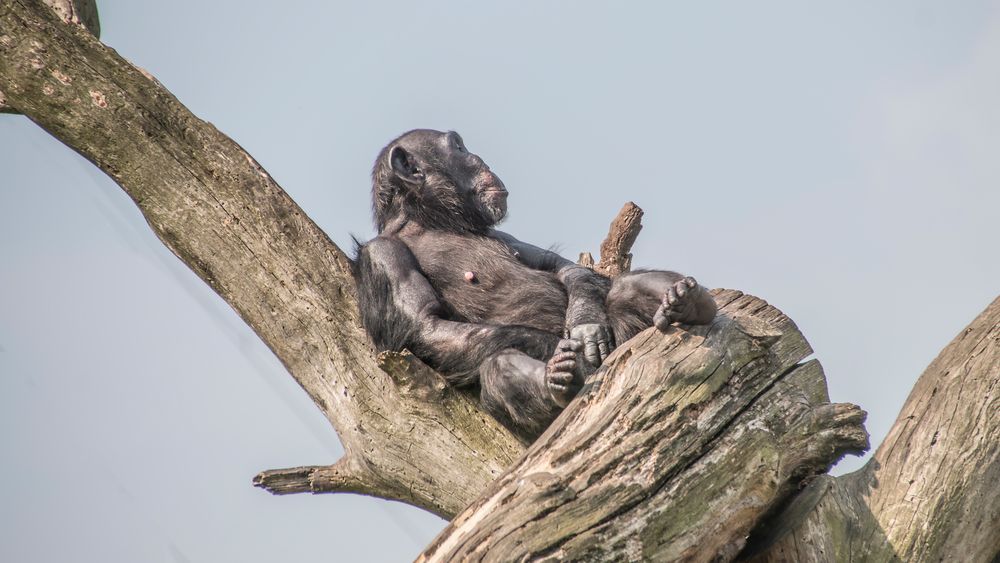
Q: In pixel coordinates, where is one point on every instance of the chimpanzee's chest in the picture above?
(480, 279)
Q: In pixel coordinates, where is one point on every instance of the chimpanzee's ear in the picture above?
(404, 166)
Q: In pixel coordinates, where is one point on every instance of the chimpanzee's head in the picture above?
(429, 177)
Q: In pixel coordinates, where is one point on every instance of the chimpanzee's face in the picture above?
(441, 183)
(472, 178)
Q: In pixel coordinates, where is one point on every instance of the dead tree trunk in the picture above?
(930, 492)
(678, 448)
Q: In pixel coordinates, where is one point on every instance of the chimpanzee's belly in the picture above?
(481, 281)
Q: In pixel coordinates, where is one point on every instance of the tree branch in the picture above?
(674, 449)
(346, 476)
(78, 12)
(214, 206)
(616, 257)
(615, 249)
(930, 491)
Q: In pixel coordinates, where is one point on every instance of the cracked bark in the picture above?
(616, 258)
(679, 448)
(675, 449)
(930, 491)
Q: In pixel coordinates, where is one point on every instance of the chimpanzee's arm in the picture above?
(400, 309)
(586, 311)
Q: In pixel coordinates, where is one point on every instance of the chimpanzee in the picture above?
(480, 306)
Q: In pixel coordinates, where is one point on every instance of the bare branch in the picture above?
(615, 250)
(345, 476)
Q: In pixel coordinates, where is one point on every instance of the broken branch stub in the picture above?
(616, 257)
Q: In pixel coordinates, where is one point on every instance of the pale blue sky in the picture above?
(839, 161)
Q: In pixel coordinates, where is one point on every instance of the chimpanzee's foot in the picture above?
(563, 377)
(685, 302)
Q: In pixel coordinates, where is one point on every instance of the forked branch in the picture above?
(677, 448)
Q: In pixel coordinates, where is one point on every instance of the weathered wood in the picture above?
(645, 462)
(78, 12)
(616, 257)
(930, 492)
(225, 217)
(674, 450)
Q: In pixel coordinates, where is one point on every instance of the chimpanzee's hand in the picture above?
(597, 339)
(681, 304)
(563, 377)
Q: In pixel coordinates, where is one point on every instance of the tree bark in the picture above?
(675, 449)
(616, 257)
(78, 12)
(679, 448)
(930, 492)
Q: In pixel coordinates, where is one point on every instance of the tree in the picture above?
(730, 409)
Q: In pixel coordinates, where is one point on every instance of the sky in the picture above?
(839, 161)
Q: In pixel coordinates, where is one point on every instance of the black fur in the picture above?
(385, 324)
(479, 305)
(391, 328)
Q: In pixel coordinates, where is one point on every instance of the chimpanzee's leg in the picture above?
(638, 300)
(512, 389)
(526, 395)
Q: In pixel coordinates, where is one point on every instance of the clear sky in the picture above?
(840, 161)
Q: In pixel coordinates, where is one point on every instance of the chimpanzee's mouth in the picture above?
(494, 191)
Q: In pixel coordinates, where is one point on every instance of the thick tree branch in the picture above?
(226, 218)
(674, 450)
(78, 12)
(930, 491)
